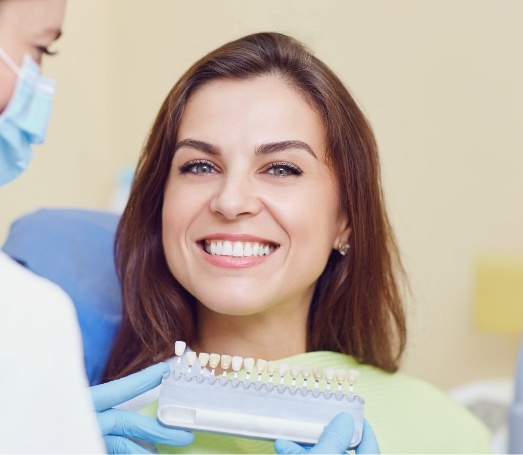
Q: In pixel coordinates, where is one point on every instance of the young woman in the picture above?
(256, 226)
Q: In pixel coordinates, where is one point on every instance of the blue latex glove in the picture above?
(117, 425)
(335, 439)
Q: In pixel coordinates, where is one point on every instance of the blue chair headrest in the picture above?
(74, 249)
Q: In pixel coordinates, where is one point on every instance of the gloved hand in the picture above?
(117, 425)
(335, 439)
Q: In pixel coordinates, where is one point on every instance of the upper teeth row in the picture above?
(237, 249)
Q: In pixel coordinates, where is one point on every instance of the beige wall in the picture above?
(439, 80)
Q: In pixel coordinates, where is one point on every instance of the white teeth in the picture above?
(238, 249)
(227, 248)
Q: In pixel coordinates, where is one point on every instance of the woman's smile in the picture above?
(231, 252)
(238, 249)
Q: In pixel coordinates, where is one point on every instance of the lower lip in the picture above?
(232, 262)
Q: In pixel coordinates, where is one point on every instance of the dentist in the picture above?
(45, 403)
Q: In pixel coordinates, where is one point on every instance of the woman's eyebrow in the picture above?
(264, 149)
(273, 147)
(198, 145)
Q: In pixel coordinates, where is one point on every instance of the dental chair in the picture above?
(74, 248)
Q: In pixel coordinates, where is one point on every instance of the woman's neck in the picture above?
(266, 336)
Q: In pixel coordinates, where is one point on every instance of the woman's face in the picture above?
(27, 27)
(251, 210)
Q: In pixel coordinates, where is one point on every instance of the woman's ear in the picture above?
(343, 234)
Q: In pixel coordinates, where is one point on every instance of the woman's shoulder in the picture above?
(408, 414)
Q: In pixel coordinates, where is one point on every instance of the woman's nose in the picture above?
(235, 197)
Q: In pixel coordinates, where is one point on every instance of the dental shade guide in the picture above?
(216, 403)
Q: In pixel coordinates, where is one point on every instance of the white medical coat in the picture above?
(45, 403)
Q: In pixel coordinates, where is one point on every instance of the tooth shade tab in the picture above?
(214, 361)
(260, 367)
(295, 372)
(282, 371)
(272, 367)
(237, 362)
(341, 375)
(191, 358)
(306, 372)
(318, 375)
(283, 368)
(225, 363)
(238, 249)
(352, 377)
(179, 349)
(329, 376)
(203, 359)
(248, 363)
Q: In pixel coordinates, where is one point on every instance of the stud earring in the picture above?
(343, 248)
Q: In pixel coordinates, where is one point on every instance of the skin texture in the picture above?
(232, 191)
(27, 27)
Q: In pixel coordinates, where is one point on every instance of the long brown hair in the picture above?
(356, 307)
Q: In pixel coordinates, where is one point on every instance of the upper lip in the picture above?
(237, 237)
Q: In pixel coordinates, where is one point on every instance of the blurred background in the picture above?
(440, 82)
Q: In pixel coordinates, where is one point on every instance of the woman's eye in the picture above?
(283, 169)
(198, 167)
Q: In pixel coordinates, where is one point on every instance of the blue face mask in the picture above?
(25, 119)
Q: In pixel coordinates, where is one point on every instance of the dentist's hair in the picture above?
(356, 308)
